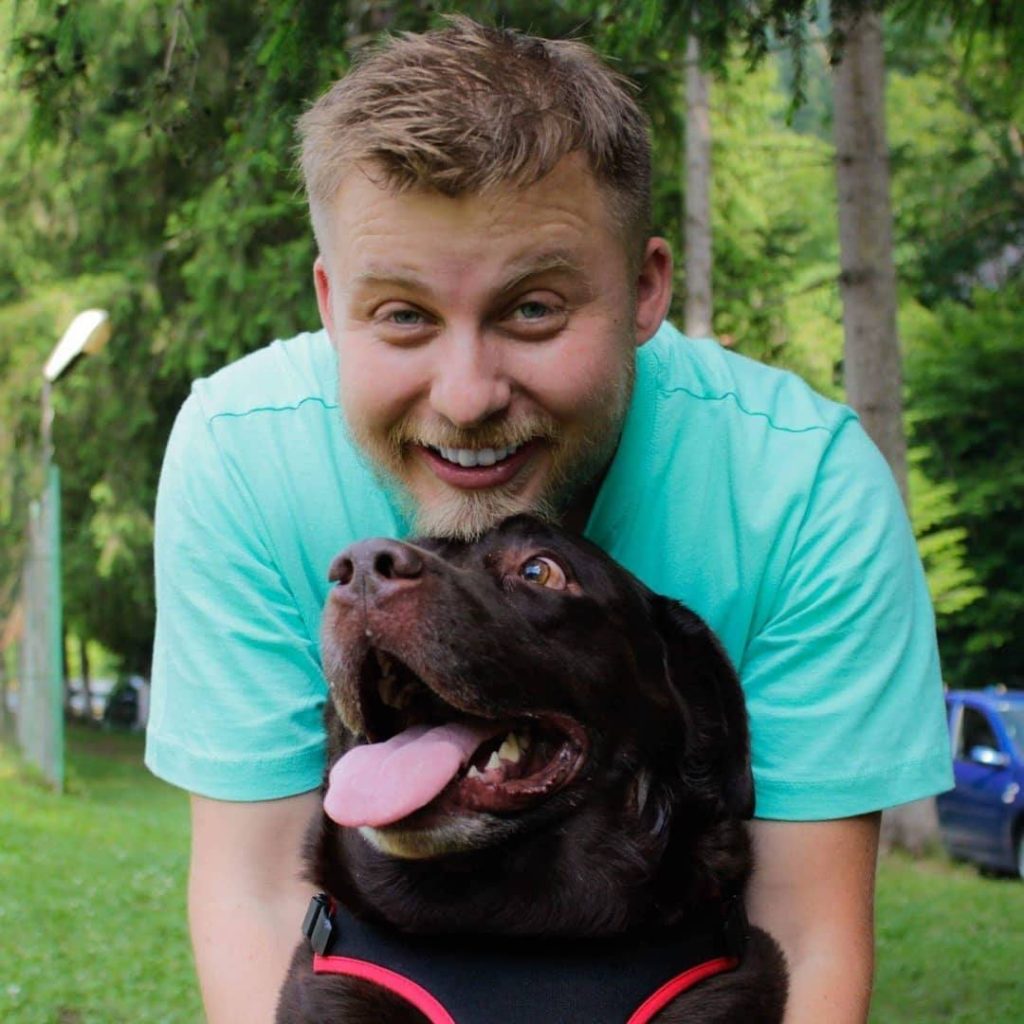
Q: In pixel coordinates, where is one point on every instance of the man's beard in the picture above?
(576, 462)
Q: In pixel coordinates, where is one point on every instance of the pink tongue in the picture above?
(380, 783)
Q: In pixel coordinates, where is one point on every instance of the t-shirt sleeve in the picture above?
(843, 680)
(237, 689)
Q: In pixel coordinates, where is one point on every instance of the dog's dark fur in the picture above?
(648, 833)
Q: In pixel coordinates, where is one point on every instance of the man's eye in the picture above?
(531, 311)
(543, 571)
(406, 317)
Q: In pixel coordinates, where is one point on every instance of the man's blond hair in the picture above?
(467, 108)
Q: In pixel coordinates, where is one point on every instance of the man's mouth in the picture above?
(426, 756)
(469, 457)
(478, 468)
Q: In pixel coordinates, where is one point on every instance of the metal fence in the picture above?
(40, 704)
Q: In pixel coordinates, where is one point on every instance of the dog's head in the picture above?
(484, 689)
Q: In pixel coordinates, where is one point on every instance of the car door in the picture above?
(975, 820)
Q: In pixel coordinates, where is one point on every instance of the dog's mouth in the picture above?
(424, 754)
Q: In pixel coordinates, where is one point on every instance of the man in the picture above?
(493, 309)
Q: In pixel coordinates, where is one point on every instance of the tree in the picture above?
(871, 355)
(697, 190)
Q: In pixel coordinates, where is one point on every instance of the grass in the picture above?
(92, 920)
(950, 945)
(92, 892)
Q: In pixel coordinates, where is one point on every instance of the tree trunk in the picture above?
(83, 661)
(697, 189)
(872, 371)
(4, 724)
(65, 668)
(867, 282)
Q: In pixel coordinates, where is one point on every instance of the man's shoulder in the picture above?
(751, 396)
(284, 375)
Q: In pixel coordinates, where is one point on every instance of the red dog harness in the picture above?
(478, 980)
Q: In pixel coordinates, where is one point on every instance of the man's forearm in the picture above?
(813, 890)
(829, 988)
(246, 898)
(242, 951)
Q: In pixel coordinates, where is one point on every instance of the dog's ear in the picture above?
(711, 701)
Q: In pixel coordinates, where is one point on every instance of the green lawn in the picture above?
(92, 892)
(92, 924)
(950, 945)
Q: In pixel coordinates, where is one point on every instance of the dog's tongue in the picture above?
(380, 783)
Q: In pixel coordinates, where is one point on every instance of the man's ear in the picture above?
(653, 289)
(711, 698)
(322, 283)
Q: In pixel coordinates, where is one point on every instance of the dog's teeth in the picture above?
(474, 772)
(509, 749)
(524, 740)
(492, 762)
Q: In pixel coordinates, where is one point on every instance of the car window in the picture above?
(1013, 720)
(975, 731)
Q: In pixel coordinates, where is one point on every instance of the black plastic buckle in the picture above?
(318, 925)
(735, 926)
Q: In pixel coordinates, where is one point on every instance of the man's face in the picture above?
(486, 343)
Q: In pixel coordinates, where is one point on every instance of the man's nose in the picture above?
(374, 569)
(469, 384)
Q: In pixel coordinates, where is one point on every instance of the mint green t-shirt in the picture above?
(735, 489)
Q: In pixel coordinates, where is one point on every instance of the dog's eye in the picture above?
(543, 571)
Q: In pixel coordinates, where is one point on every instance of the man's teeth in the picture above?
(468, 457)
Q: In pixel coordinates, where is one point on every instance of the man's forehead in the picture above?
(569, 191)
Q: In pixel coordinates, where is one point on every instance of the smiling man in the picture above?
(493, 308)
(487, 341)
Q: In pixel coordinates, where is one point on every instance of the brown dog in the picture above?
(539, 771)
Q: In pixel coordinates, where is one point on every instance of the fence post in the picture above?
(41, 683)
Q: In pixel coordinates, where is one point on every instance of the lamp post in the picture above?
(86, 335)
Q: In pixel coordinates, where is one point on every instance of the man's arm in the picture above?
(813, 889)
(246, 899)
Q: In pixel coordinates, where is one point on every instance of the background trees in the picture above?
(146, 166)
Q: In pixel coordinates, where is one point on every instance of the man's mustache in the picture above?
(506, 434)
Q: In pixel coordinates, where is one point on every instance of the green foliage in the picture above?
(952, 582)
(965, 377)
(146, 166)
(965, 119)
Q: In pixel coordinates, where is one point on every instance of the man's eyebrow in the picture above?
(369, 278)
(529, 265)
(536, 263)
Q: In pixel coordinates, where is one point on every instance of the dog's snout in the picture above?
(373, 566)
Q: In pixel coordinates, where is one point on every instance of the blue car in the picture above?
(982, 819)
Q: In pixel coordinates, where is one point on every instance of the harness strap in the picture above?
(678, 985)
(432, 977)
(408, 990)
(391, 980)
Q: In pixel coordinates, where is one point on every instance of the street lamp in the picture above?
(88, 333)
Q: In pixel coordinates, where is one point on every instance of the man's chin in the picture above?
(468, 515)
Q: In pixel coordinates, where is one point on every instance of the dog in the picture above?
(534, 808)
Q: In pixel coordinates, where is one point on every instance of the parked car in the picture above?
(99, 691)
(128, 703)
(982, 819)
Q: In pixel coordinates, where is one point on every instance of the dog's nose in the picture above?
(375, 567)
